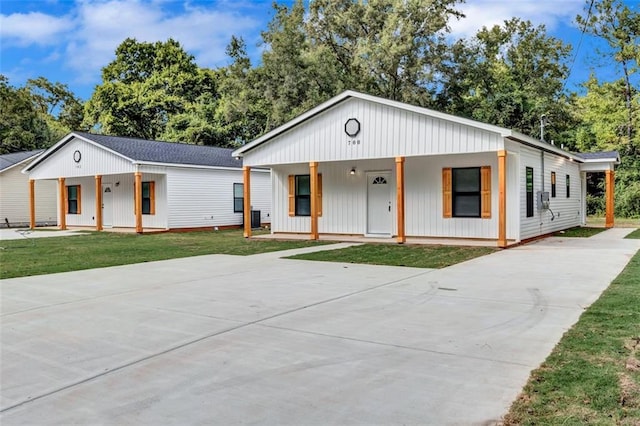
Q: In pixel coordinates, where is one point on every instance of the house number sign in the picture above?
(352, 129)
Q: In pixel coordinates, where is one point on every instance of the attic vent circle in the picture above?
(352, 127)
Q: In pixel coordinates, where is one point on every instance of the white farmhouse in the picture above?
(14, 192)
(362, 165)
(115, 182)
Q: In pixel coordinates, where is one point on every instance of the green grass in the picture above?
(635, 235)
(618, 221)
(580, 232)
(36, 256)
(399, 255)
(589, 377)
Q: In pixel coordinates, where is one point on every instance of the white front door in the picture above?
(107, 205)
(379, 203)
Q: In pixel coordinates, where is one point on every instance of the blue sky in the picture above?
(70, 41)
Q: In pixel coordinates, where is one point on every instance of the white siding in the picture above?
(94, 161)
(567, 211)
(200, 198)
(345, 198)
(386, 132)
(14, 198)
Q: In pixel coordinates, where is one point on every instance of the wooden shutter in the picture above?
(292, 195)
(79, 198)
(152, 196)
(319, 195)
(447, 199)
(485, 192)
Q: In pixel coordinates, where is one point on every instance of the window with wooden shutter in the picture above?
(485, 191)
(292, 195)
(447, 199)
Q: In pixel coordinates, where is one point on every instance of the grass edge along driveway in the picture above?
(37, 256)
(593, 374)
(416, 256)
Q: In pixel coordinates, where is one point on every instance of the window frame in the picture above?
(455, 193)
(151, 198)
(529, 191)
(77, 199)
(298, 196)
(553, 184)
(235, 198)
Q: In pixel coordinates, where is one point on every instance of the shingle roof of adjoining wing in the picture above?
(8, 160)
(598, 155)
(166, 152)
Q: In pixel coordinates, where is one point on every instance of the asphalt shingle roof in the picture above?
(598, 155)
(166, 152)
(8, 160)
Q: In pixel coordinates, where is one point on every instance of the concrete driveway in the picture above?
(235, 340)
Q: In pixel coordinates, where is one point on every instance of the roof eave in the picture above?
(20, 162)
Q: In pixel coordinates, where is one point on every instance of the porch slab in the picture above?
(382, 240)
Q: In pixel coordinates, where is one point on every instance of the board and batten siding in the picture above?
(14, 198)
(567, 211)
(386, 132)
(344, 198)
(204, 197)
(94, 161)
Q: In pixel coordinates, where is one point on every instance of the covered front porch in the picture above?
(400, 199)
(132, 201)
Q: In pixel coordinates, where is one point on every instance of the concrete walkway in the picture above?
(22, 233)
(237, 340)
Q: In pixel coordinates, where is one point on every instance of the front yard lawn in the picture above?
(635, 235)
(592, 377)
(19, 258)
(417, 256)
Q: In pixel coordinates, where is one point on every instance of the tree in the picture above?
(143, 88)
(602, 114)
(509, 75)
(22, 128)
(390, 48)
(619, 26)
(59, 107)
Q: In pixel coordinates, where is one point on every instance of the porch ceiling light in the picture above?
(353, 171)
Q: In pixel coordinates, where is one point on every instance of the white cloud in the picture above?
(103, 25)
(488, 13)
(24, 29)
(92, 29)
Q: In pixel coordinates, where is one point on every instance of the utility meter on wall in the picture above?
(543, 200)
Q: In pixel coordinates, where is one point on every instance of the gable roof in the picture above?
(9, 160)
(505, 133)
(142, 151)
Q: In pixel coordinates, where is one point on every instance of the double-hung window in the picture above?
(553, 184)
(148, 198)
(466, 192)
(303, 195)
(568, 186)
(73, 199)
(529, 188)
(238, 197)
